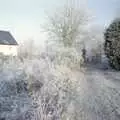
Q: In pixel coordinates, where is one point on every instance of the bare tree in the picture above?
(67, 25)
(67, 29)
(27, 49)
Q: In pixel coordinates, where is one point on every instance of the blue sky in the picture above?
(104, 10)
(23, 17)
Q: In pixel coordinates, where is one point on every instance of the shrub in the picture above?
(67, 56)
(112, 44)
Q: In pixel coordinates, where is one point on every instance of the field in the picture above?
(38, 90)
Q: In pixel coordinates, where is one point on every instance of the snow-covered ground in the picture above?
(100, 95)
(87, 94)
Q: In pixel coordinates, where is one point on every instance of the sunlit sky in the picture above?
(23, 18)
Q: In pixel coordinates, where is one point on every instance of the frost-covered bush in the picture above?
(37, 89)
(59, 89)
(112, 44)
(28, 50)
(14, 100)
(67, 56)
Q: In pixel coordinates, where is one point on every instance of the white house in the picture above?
(8, 45)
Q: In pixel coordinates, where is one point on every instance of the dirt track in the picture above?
(100, 95)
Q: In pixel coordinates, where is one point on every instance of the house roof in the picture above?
(7, 39)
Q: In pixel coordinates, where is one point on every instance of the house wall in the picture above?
(8, 50)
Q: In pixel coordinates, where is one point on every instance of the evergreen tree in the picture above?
(112, 44)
